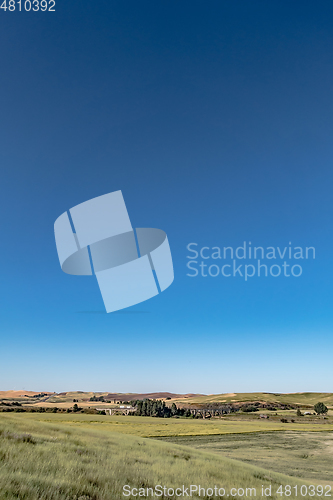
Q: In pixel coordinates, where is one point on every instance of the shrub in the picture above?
(250, 408)
(320, 408)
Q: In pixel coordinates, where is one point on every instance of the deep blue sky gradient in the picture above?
(216, 121)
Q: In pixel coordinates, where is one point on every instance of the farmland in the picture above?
(304, 400)
(50, 450)
(58, 457)
(299, 454)
(164, 427)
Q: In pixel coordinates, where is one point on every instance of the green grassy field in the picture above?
(157, 427)
(80, 457)
(300, 454)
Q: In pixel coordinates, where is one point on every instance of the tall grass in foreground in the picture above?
(50, 460)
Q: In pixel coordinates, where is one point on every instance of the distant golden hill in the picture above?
(148, 395)
(20, 394)
(303, 399)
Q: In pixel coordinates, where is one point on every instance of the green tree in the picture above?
(320, 408)
(299, 413)
(75, 407)
(174, 409)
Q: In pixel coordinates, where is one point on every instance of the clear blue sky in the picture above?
(215, 120)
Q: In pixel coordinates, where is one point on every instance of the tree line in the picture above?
(158, 408)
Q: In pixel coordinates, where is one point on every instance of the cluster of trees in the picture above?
(53, 409)
(100, 398)
(158, 408)
(249, 408)
(256, 406)
(23, 410)
(95, 398)
(13, 403)
(319, 408)
(17, 410)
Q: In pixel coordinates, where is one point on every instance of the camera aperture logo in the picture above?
(97, 238)
(278, 261)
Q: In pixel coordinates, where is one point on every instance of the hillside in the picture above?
(51, 459)
(63, 399)
(20, 394)
(300, 398)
